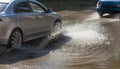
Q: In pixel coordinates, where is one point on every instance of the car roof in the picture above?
(7, 1)
(109, 0)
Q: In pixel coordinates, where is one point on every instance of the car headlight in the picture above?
(99, 4)
(118, 5)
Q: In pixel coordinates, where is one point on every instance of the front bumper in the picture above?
(108, 10)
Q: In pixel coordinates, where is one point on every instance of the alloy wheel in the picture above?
(16, 39)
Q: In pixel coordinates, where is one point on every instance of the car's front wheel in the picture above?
(57, 28)
(100, 14)
(16, 39)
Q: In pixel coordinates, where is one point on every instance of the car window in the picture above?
(2, 6)
(22, 7)
(36, 8)
(110, 0)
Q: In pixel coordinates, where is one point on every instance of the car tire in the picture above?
(100, 14)
(16, 39)
(57, 29)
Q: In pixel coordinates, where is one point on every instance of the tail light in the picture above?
(99, 4)
(118, 5)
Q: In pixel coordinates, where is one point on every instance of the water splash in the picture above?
(85, 35)
(93, 16)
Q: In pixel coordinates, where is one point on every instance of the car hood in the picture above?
(56, 15)
(110, 0)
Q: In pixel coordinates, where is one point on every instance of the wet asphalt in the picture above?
(89, 42)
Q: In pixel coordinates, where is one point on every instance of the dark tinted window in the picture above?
(110, 0)
(22, 7)
(36, 7)
(2, 6)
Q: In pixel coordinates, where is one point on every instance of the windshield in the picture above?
(2, 6)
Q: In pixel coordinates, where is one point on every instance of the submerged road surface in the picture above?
(88, 42)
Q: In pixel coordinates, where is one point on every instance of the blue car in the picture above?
(108, 6)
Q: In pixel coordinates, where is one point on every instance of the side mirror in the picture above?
(49, 10)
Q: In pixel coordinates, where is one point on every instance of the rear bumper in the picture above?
(3, 41)
(4, 35)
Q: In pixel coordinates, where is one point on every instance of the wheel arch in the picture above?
(17, 28)
(58, 20)
(54, 22)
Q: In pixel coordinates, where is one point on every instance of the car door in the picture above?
(26, 18)
(42, 24)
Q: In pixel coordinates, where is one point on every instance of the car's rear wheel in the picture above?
(16, 39)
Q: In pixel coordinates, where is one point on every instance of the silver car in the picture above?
(24, 20)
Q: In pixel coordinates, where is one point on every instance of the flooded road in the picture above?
(87, 42)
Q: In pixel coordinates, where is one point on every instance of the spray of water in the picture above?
(83, 36)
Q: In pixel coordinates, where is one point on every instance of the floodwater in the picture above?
(93, 43)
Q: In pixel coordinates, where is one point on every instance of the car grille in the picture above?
(108, 6)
